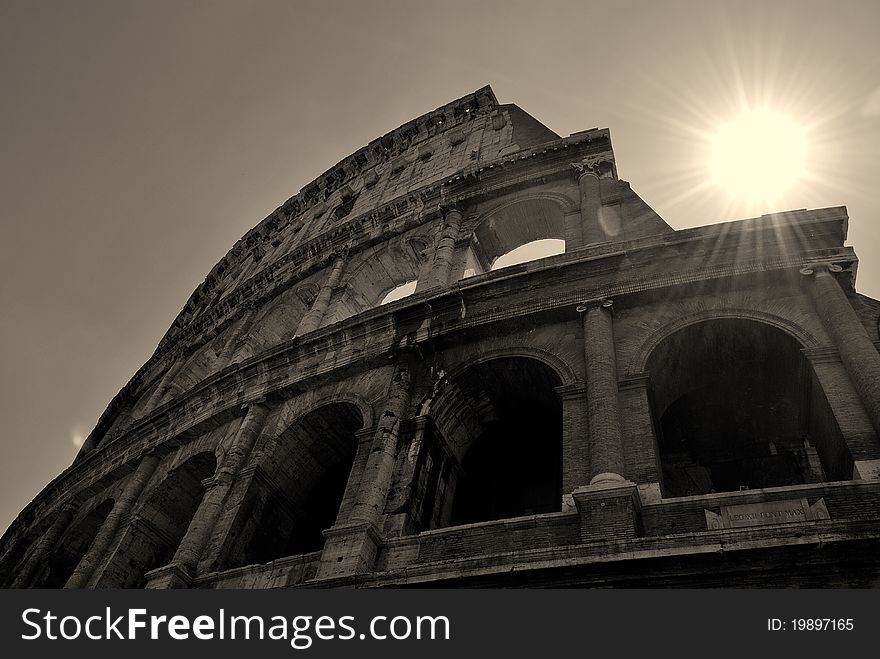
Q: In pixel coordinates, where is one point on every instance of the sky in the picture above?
(140, 140)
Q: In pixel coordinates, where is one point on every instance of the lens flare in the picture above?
(758, 156)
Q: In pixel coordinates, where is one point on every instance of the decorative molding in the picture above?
(599, 303)
(822, 354)
(634, 381)
(600, 166)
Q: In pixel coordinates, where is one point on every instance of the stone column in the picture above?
(850, 439)
(364, 438)
(606, 445)
(444, 255)
(351, 548)
(121, 509)
(609, 507)
(587, 175)
(376, 481)
(312, 320)
(857, 352)
(575, 440)
(639, 438)
(44, 546)
(186, 559)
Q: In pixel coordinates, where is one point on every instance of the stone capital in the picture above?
(589, 305)
(822, 268)
(341, 254)
(448, 209)
(595, 166)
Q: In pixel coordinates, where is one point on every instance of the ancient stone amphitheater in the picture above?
(642, 407)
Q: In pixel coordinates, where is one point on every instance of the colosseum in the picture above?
(363, 393)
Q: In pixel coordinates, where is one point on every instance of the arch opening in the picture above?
(399, 292)
(502, 423)
(736, 405)
(382, 274)
(301, 488)
(532, 251)
(162, 522)
(523, 231)
(73, 546)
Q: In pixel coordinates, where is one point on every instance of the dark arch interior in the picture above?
(165, 518)
(513, 464)
(737, 406)
(73, 547)
(302, 486)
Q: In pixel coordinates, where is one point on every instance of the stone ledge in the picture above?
(760, 495)
(818, 533)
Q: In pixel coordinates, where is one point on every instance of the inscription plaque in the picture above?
(766, 512)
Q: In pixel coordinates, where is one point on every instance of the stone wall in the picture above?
(284, 366)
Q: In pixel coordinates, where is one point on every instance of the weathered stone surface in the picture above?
(451, 437)
(786, 511)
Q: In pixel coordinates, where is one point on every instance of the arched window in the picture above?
(523, 231)
(737, 406)
(72, 547)
(377, 276)
(399, 292)
(537, 249)
(502, 421)
(287, 511)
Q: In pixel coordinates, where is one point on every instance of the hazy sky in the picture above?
(140, 140)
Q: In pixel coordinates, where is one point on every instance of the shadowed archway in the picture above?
(502, 422)
(297, 491)
(159, 525)
(72, 547)
(737, 406)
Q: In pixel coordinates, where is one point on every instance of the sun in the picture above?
(758, 156)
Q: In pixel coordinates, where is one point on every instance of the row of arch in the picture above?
(514, 233)
(734, 404)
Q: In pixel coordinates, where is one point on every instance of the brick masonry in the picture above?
(377, 463)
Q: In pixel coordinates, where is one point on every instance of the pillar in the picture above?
(121, 510)
(605, 440)
(639, 438)
(857, 351)
(352, 547)
(575, 446)
(312, 320)
(184, 565)
(587, 175)
(609, 507)
(44, 546)
(848, 436)
(376, 480)
(364, 438)
(445, 252)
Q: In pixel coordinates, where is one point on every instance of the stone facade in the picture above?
(649, 408)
